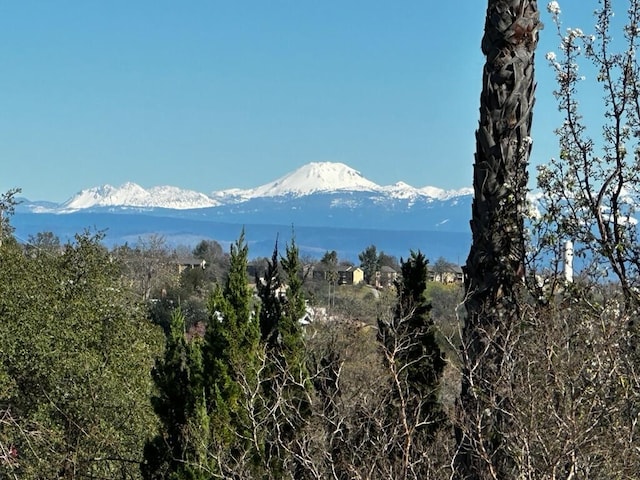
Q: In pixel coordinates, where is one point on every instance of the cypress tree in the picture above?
(287, 381)
(231, 356)
(294, 310)
(409, 342)
(271, 309)
(173, 453)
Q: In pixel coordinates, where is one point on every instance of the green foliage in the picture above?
(269, 291)
(409, 340)
(330, 259)
(294, 309)
(385, 260)
(369, 263)
(284, 381)
(217, 261)
(290, 346)
(282, 305)
(75, 352)
(230, 404)
(231, 353)
(176, 451)
(204, 401)
(8, 204)
(193, 282)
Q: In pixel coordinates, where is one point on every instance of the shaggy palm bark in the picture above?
(495, 266)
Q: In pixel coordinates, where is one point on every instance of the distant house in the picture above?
(350, 276)
(321, 272)
(446, 274)
(385, 277)
(189, 263)
(342, 275)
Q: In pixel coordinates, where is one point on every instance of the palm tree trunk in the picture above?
(495, 266)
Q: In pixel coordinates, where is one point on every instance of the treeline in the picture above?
(103, 376)
(95, 383)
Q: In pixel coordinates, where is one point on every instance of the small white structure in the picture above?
(568, 261)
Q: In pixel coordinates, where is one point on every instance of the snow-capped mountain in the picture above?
(133, 195)
(311, 179)
(330, 206)
(406, 191)
(440, 194)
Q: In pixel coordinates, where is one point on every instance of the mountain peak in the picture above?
(316, 177)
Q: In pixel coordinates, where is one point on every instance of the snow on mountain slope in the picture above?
(404, 191)
(313, 178)
(401, 190)
(440, 194)
(133, 195)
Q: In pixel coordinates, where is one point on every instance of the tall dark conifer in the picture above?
(415, 363)
(285, 387)
(409, 341)
(231, 355)
(293, 311)
(271, 297)
(173, 452)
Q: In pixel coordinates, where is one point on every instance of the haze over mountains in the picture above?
(329, 206)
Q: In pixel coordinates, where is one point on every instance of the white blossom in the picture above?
(575, 33)
(550, 56)
(553, 8)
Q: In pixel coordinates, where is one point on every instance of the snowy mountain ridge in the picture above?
(312, 178)
(331, 206)
(133, 195)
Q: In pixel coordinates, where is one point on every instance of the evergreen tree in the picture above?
(286, 382)
(369, 262)
(294, 310)
(174, 453)
(231, 355)
(293, 349)
(415, 362)
(269, 291)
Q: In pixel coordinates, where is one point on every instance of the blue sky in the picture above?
(209, 95)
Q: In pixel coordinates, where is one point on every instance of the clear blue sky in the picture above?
(209, 94)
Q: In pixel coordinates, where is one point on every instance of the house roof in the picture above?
(353, 268)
